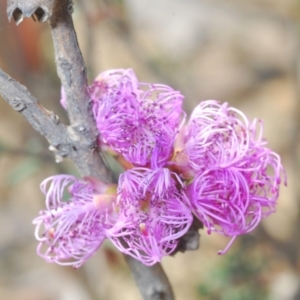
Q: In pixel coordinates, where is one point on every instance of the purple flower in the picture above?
(235, 177)
(216, 136)
(72, 228)
(154, 214)
(136, 118)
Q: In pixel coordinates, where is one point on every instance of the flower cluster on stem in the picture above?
(216, 167)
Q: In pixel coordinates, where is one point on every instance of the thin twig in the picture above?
(72, 72)
(152, 281)
(42, 120)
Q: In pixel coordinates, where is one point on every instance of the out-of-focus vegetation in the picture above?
(240, 276)
(243, 52)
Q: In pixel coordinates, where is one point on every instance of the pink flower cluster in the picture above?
(217, 168)
(135, 119)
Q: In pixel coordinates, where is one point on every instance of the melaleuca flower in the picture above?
(234, 177)
(135, 118)
(216, 136)
(73, 226)
(155, 213)
(231, 202)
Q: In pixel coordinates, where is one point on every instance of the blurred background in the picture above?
(243, 52)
